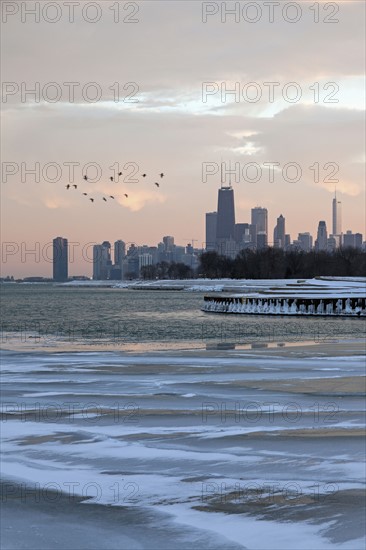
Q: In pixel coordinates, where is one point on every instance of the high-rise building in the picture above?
(336, 216)
(305, 241)
(353, 240)
(211, 225)
(60, 259)
(168, 243)
(102, 261)
(260, 221)
(279, 233)
(322, 236)
(145, 259)
(119, 252)
(225, 229)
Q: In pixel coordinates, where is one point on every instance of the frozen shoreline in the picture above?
(198, 436)
(328, 285)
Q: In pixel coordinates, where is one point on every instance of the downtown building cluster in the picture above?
(223, 235)
(125, 261)
(129, 262)
(228, 238)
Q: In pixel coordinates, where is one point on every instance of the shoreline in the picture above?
(348, 346)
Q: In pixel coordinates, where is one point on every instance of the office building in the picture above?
(119, 252)
(225, 228)
(102, 263)
(322, 236)
(353, 240)
(279, 233)
(305, 241)
(260, 222)
(60, 259)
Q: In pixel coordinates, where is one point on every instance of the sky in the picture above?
(161, 72)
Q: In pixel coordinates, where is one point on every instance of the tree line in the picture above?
(269, 263)
(275, 263)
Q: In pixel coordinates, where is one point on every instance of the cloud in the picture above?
(55, 202)
(137, 200)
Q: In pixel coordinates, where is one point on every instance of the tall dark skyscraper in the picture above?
(119, 252)
(102, 263)
(225, 229)
(279, 233)
(60, 259)
(322, 237)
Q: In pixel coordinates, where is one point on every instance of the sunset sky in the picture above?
(169, 52)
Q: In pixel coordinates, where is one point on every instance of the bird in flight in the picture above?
(120, 173)
(86, 177)
(162, 175)
(104, 199)
(157, 185)
(92, 200)
(67, 186)
(144, 175)
(111, 196)
(126, 195)
(85, 193)
(75, 186)
(111, 178)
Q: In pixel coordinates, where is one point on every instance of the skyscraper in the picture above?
(168, 243)
(119, 252)
(305, 241)
(322, 236)
(260, 221)
(102, 261)
(225, 229)
(353, 240)
(279, 233)
(336, 216)
(211, 224)
(60, 259)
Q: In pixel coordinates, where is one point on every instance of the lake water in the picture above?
(160, 318)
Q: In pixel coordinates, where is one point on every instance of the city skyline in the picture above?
(82, 255)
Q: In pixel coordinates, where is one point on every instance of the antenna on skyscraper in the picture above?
(221, 172)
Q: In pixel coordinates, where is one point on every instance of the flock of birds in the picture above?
(105, 199)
